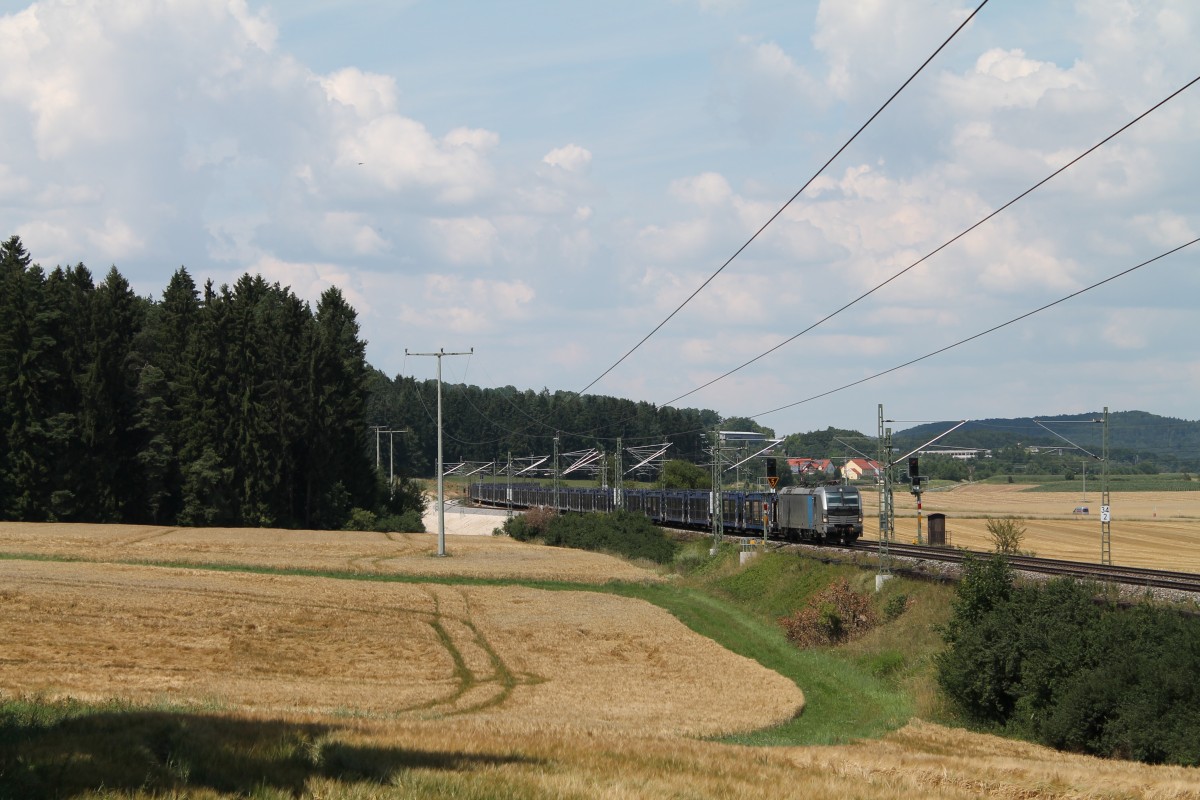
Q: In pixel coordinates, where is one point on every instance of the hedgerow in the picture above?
(621, 532)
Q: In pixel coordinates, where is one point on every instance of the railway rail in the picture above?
(1129, 576)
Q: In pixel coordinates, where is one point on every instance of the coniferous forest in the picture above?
(241, 406)
(231, 406)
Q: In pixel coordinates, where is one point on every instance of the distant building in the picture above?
(860, 468)
(812, 466)
(963, 453)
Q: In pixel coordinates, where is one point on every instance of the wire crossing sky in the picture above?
(790, 200)
(542, 181)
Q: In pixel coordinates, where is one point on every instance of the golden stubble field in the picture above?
(488, 690)
(1159, 530)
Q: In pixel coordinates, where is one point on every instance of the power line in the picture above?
(784, 207)
(949, 242)
(978, 335)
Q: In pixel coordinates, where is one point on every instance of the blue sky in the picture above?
(546, 182)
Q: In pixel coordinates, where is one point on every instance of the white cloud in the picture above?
(1166, 229)
(868, 43)
(679, 242)
(1126, 329)
(1004, 79)
(465, 306)
(309, 280)
(370, 95)
(706, 190)
(341, 231)
(571, 158)
(400, 154)
(193, 131)
(470, 240)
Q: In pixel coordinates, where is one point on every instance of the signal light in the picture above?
(913, 470)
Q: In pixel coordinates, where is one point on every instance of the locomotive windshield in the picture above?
(842, 499)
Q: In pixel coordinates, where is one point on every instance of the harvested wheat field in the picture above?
(307, 686)
(349, 551)
(1159, 530)
(299, 645)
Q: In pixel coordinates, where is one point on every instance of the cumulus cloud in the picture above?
(370, 95)
(706, 190)
(571, 158)
(472, 305)
(471, 240)
(152, 134)
(759, 86)
(867, 44)
(1003, 79)
(400, 154)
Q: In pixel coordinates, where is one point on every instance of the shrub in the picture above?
(833, 615)
(895, 606)
(526, 527)
(1007, 534)
(1050, 663)
(621, 532)
(408, 522)
(360, 520)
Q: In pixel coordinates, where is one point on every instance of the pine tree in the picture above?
(163, 343)
(339, 474)
(109, 421)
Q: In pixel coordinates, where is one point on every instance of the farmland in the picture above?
(218, 662)
(1149, 529)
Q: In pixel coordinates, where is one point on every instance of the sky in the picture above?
(547, 182)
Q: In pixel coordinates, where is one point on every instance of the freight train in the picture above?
(803, 514)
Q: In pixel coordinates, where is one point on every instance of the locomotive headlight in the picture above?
(860, 517)
(824, 518)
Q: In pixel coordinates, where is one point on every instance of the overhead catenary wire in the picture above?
(945, 244)
(980, 334)
(785, 206)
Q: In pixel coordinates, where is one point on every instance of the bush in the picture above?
(895, 606)
(408, 522)
(1050, 663)
(360, 520)
(526, 527)
(623, 533)
(833, 615)
(1007, 534)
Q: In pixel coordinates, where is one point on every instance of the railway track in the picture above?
(1129, 576)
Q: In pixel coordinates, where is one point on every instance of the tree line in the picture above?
(224, 406)
(1060, 664)
(487, 425)
(1139, 443)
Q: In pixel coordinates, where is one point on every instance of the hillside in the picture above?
(1133, 436)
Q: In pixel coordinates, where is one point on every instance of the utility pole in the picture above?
(718, 518)
(1105, 508)
(381, 429)
(508, 493)
(556, 473)
(441, 489)
(885, 501)
(619, 479)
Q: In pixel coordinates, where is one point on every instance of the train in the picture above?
(817, 514)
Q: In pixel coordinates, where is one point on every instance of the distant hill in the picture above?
(1133, 436)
